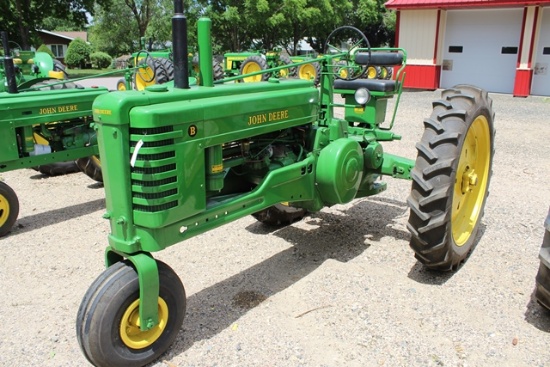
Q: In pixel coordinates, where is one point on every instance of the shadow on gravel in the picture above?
(336, 236)
(537, 315)
(32, 222)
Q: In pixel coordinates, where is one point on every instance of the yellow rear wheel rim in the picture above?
(4, 210)
(471, 180)
(252, 67)
(130, 331)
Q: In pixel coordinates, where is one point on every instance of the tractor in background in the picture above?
(158, 68)
(30, 67)
(185, 159)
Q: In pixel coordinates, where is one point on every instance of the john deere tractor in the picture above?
(186, 159)
(241, 63)
(30, 67)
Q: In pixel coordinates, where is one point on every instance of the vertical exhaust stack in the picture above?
(11, 83)
(179, 47)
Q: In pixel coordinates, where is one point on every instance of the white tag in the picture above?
(136, 151)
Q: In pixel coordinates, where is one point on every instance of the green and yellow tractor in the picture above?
(186, 159)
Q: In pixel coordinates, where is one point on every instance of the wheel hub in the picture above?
(130, 326)
(4, 210)
(469, 180)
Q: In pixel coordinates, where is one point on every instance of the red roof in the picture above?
(445, 4)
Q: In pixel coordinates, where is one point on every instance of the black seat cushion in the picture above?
(379, 58)
(375, 85)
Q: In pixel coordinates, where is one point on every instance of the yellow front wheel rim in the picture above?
(471, 180)
(252, 67)
(130, 331)
(4, 210)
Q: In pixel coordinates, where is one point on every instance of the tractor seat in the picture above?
(373, 85)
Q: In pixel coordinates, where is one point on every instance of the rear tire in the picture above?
(451, 177)
(9, 208)
(542, 292)
(58, 168)
(157, 71)
(280, 215)
(91, 167)
(254, 64)
(311, 72)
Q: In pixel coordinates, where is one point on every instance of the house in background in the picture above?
(59, 41)
(502, 46)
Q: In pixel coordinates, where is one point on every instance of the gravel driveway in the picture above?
(340, 288)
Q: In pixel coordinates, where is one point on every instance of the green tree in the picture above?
(100, 60)
(114, 30)
(21, 18)
(78, 54)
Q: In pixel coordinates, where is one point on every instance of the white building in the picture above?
(500, 45)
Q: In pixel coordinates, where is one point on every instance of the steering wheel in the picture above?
(146, 66)
(346, 68)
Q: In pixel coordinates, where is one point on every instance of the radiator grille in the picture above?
(154, 175)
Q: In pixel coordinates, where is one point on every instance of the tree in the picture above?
(114, 31)
(78, 54)
(21, 18)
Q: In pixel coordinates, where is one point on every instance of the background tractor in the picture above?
(157, 67)
(30, 67)
(45, 123)
(187, 159)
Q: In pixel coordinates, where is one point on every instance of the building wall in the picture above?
(418, 35)
(421, 32)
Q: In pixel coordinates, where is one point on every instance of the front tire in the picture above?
(9, 208)
(451, 177)
(107, 324)
(542, 292)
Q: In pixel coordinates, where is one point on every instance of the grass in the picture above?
(83, 73)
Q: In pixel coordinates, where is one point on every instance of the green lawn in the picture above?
(82, 73)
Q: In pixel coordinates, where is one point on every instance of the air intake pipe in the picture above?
(179, 47)
(9, 68)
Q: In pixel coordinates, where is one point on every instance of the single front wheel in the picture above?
(451, 177)
(107, 325)
(9, 208)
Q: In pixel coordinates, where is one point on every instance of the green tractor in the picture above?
(157, 67)
(241, 63)
(30, 67)
(45, 123)
(186, 159)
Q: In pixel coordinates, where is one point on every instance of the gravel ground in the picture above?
(340, 288)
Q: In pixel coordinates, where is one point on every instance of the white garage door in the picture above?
(481, 48)
(541, 73)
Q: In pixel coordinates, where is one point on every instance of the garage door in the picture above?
(541, 73)
(481, 48)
